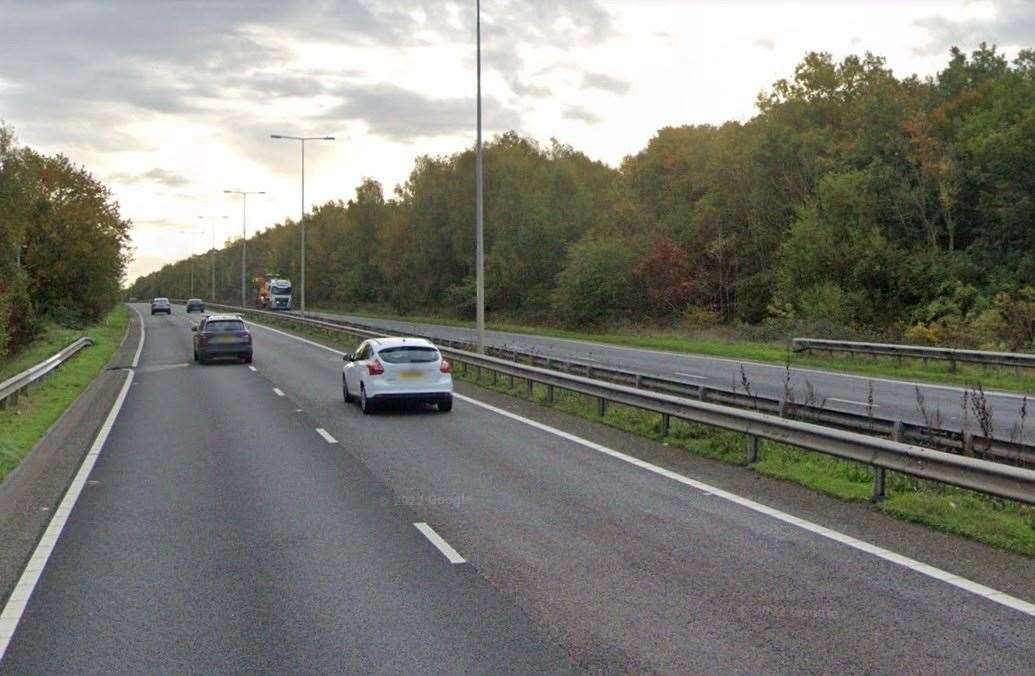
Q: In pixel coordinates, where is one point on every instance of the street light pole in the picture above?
(479, 222)
(212, 258)
(191, 233)
(301, 223)
(244, 232)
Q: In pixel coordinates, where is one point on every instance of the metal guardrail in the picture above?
(957, 440)
(1016, 360)
(992, 478)
(18, 385)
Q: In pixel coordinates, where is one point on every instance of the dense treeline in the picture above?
(63, 245)
(853, 201)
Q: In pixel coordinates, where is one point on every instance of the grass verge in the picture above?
(1001, 523)
(667, 340)
(24, 424)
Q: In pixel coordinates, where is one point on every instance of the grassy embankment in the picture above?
(24, 424)
(707, 343)
(1000, 523)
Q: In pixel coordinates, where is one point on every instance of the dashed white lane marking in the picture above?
(326, 437)
(19, 598)
(278, 391)
(434, 538)
(853, 403)
(253, 369)
(912, 564)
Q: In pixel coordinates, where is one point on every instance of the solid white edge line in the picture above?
(326, 437)
(19, 599)
(853, 403)
(922, 568)
(140, 346)
(278, 391)
(434, 538)
(290, 335)
(888, 555)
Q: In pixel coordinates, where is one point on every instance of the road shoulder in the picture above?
(1006, 571)
(31, 492)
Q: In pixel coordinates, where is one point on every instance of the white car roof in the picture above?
(396, 342)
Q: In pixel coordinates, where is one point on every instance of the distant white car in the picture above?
(394, 369)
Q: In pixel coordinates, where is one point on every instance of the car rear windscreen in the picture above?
(408, 354)
(225, 326)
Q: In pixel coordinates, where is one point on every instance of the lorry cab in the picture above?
(280, 294)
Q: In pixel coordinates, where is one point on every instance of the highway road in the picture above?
(245, 520)
(893, 399)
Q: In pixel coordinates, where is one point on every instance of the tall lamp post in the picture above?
(212, 258)
(192, 233)
(302, 140)
(244, 231)
(479, 223)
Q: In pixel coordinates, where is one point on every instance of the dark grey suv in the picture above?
(195, 305)
(161, 305)
(222, 336)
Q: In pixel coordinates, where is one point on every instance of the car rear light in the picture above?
(245, 334)
(202, 338)
(445, 367)
(375, 368)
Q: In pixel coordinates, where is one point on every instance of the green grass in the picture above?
(1000, 523)
(668, 340)
(25, 423)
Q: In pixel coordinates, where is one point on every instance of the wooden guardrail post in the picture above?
(666, 423)
(528, 388)
(601, 407)
(549, 394)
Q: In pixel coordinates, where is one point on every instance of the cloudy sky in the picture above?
(170, 103)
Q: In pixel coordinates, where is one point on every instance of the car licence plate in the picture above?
(410, 375)
(223, 339)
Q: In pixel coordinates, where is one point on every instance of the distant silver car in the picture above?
(161, 305)
(195, 305)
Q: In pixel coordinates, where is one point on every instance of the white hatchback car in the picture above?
(394, 369)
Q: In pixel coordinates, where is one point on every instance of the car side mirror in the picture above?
(349, 356)
(194, 327)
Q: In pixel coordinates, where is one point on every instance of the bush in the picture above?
(923, 334)
(18, 322)
(597, 283)
(1018, 313)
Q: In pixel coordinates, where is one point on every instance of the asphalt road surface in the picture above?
(221, 532)
(893, 399)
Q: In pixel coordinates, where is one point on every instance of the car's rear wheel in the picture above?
(346, 395)
(202, 359)
(248, 359)
(446, 405)
(365, 404)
